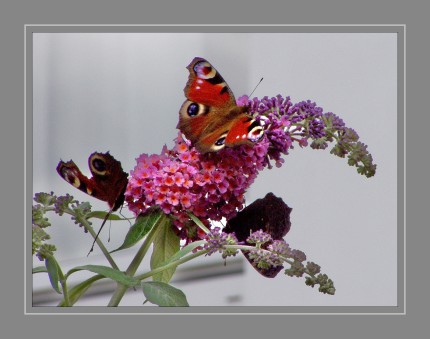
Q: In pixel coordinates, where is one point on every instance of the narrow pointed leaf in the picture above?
(108, 272)
(102, 215)
(163, 294)
(198, 222)
(140, 229)
(166, 244)
(78, 291)
(40, 269)
(53, 273)
(184, 251)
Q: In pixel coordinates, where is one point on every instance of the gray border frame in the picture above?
(401, 33)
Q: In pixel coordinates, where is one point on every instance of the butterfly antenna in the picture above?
(125, 218)
(255, 87)
(100, 229)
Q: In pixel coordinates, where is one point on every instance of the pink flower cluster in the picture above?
(181, 180)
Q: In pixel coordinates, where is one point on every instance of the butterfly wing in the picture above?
(206, 86)
(209, 117)
(108, 182)
(109, 177)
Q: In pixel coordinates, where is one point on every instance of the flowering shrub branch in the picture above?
(177, 195)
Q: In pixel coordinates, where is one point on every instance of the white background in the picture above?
(122, 92)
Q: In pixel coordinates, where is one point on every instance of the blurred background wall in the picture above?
(121, 92)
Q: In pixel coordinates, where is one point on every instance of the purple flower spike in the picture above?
(216, 241)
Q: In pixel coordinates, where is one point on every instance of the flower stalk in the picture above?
(135, 263)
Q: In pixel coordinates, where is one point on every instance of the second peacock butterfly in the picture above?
(108, 182)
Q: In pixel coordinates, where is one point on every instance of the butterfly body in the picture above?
(210, 117)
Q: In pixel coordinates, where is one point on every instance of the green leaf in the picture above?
(166, 244)
(140, 229)
(108, 272)
(54, 273)
(40, 269)
(102, 215)
(77, 291)
(163, 294)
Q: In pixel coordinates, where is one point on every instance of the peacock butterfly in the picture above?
(108, 182)
(210, 117)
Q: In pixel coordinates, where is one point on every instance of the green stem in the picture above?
(134, 265)
(63, 282)
(104, 250)
(76, 291)
(89, 228)
(170, 265)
